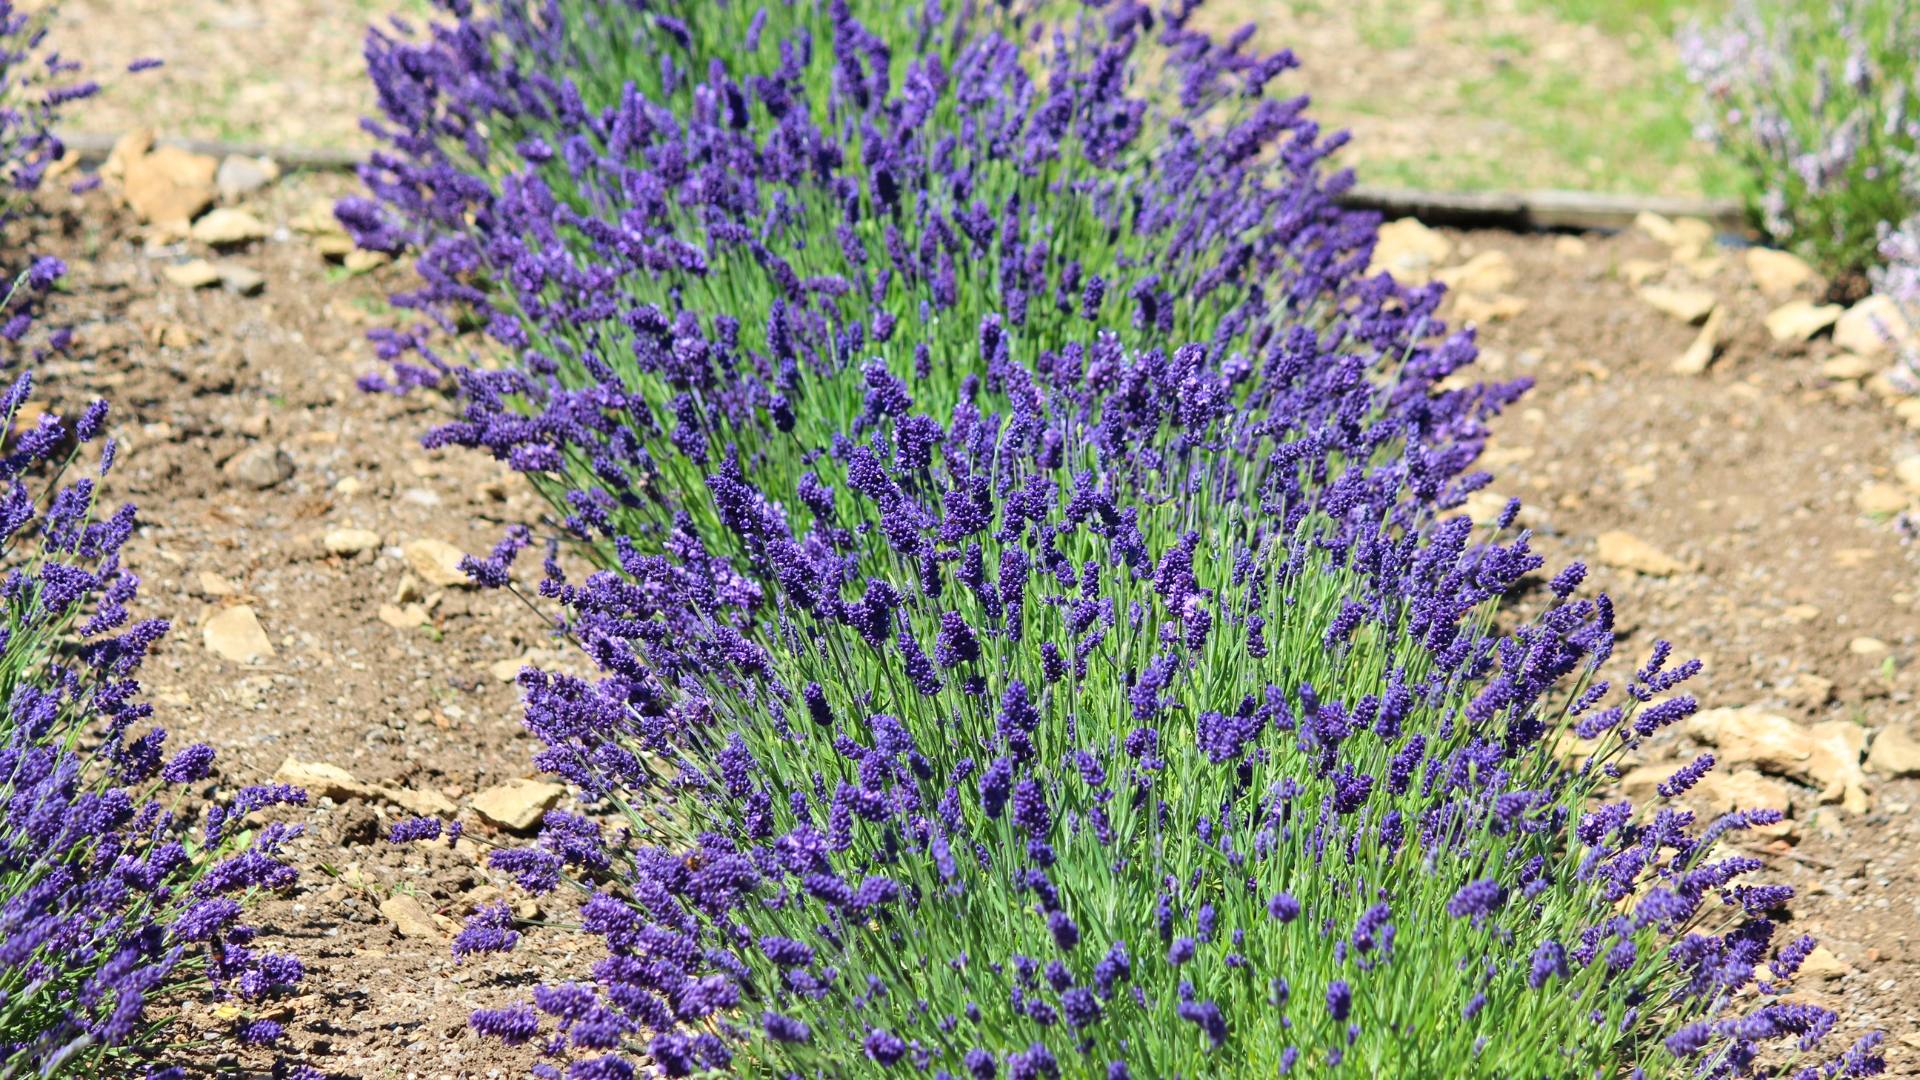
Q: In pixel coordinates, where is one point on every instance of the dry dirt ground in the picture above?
(1748, 474)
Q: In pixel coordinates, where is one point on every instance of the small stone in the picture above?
(436, 561)
(1909, 411)
(409, 918)
(350, 485)
(420, 496)
(1499, 307)
(518, 804)
(1635, 272)
(1700, 354)
(1872, 327)
(1487, 272)
(241, 280)
(1896, 753)
(1811, 691)
(409, 590)
(1686, 305)
(350, 542)
(1692, 232)
(1777, 272)
(323, 781)
(1770, 743)
(1848, 366)
(239, 176)
(404, 618)
(1838, 746)
(1629, 552)
(1907, 471)
(168, 185)
(359, 262)
(235, 634)
(424, 803)
(260, 466)
(1867, 646)
(197, 274)
(1801, 613)
(1746, 789)
(1569, 247)
(212, 584)
(1409, 251)
(1656, 226)
(1798, 320)
(1821, 964)
(481, 896)
(227, 227)
(1877, 498)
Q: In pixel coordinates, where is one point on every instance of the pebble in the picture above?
(212, 584)
(1686, 305)
(322, 780)
(436, 562)
(1658, 226)
(404, 618)
(1821, 964)
(239, 176)
(409, 917)
(1700, 354)
(359, 262)
(197, 274)
(235, 634)
(1798, 320)
(1483, 309)
(1872, 327)
(1907, 471)
(1875, 497)
(1569, 247)
(350, 485)
(1848, 366)
(1867, 646)
(228, 227)
(1896, 753)
(1628, 552)
(1635, 272)
(1409, 251)
(1777, 273)
(260, 466)
(1487, 272)
(350, 542)
(517, 804)
(241, 280)
(166, 186)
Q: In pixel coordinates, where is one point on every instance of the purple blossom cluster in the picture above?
(108, 899)
(1816, 104)
(1030, 637)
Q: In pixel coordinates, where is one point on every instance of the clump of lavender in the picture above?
(1027, 643)
(34, 84)
(109, 899)
(1817, 101)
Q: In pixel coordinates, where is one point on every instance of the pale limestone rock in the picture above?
(350, 542)
(1798, 320)
(1838, 746)
(260, 466)
(321, 780)
(1770, 743)
(1896, 753)
(1700, 354)
(1409, 251)
(436, 562)
(1686, 305)
(1873, 327)
(517, 804)
(1487, 272)
(235, 634)
(409, 917)
(1628, 552)
(227, 227)
(1875, 497)
(1848, 366)
(197, 274)
(1777, 272)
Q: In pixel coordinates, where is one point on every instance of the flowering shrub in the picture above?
(1029, 643)
(107, 898)
(1816, 100)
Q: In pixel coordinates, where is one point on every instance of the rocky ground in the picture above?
(301, 542)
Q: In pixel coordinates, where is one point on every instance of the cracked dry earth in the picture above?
(1746, 480)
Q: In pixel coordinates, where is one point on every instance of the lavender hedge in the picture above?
(1030, 640)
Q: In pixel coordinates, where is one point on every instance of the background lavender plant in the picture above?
(1817, 102)
(1041, 663)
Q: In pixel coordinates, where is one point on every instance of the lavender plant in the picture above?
(108, 898)
(1816, 100)
(991, 684)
